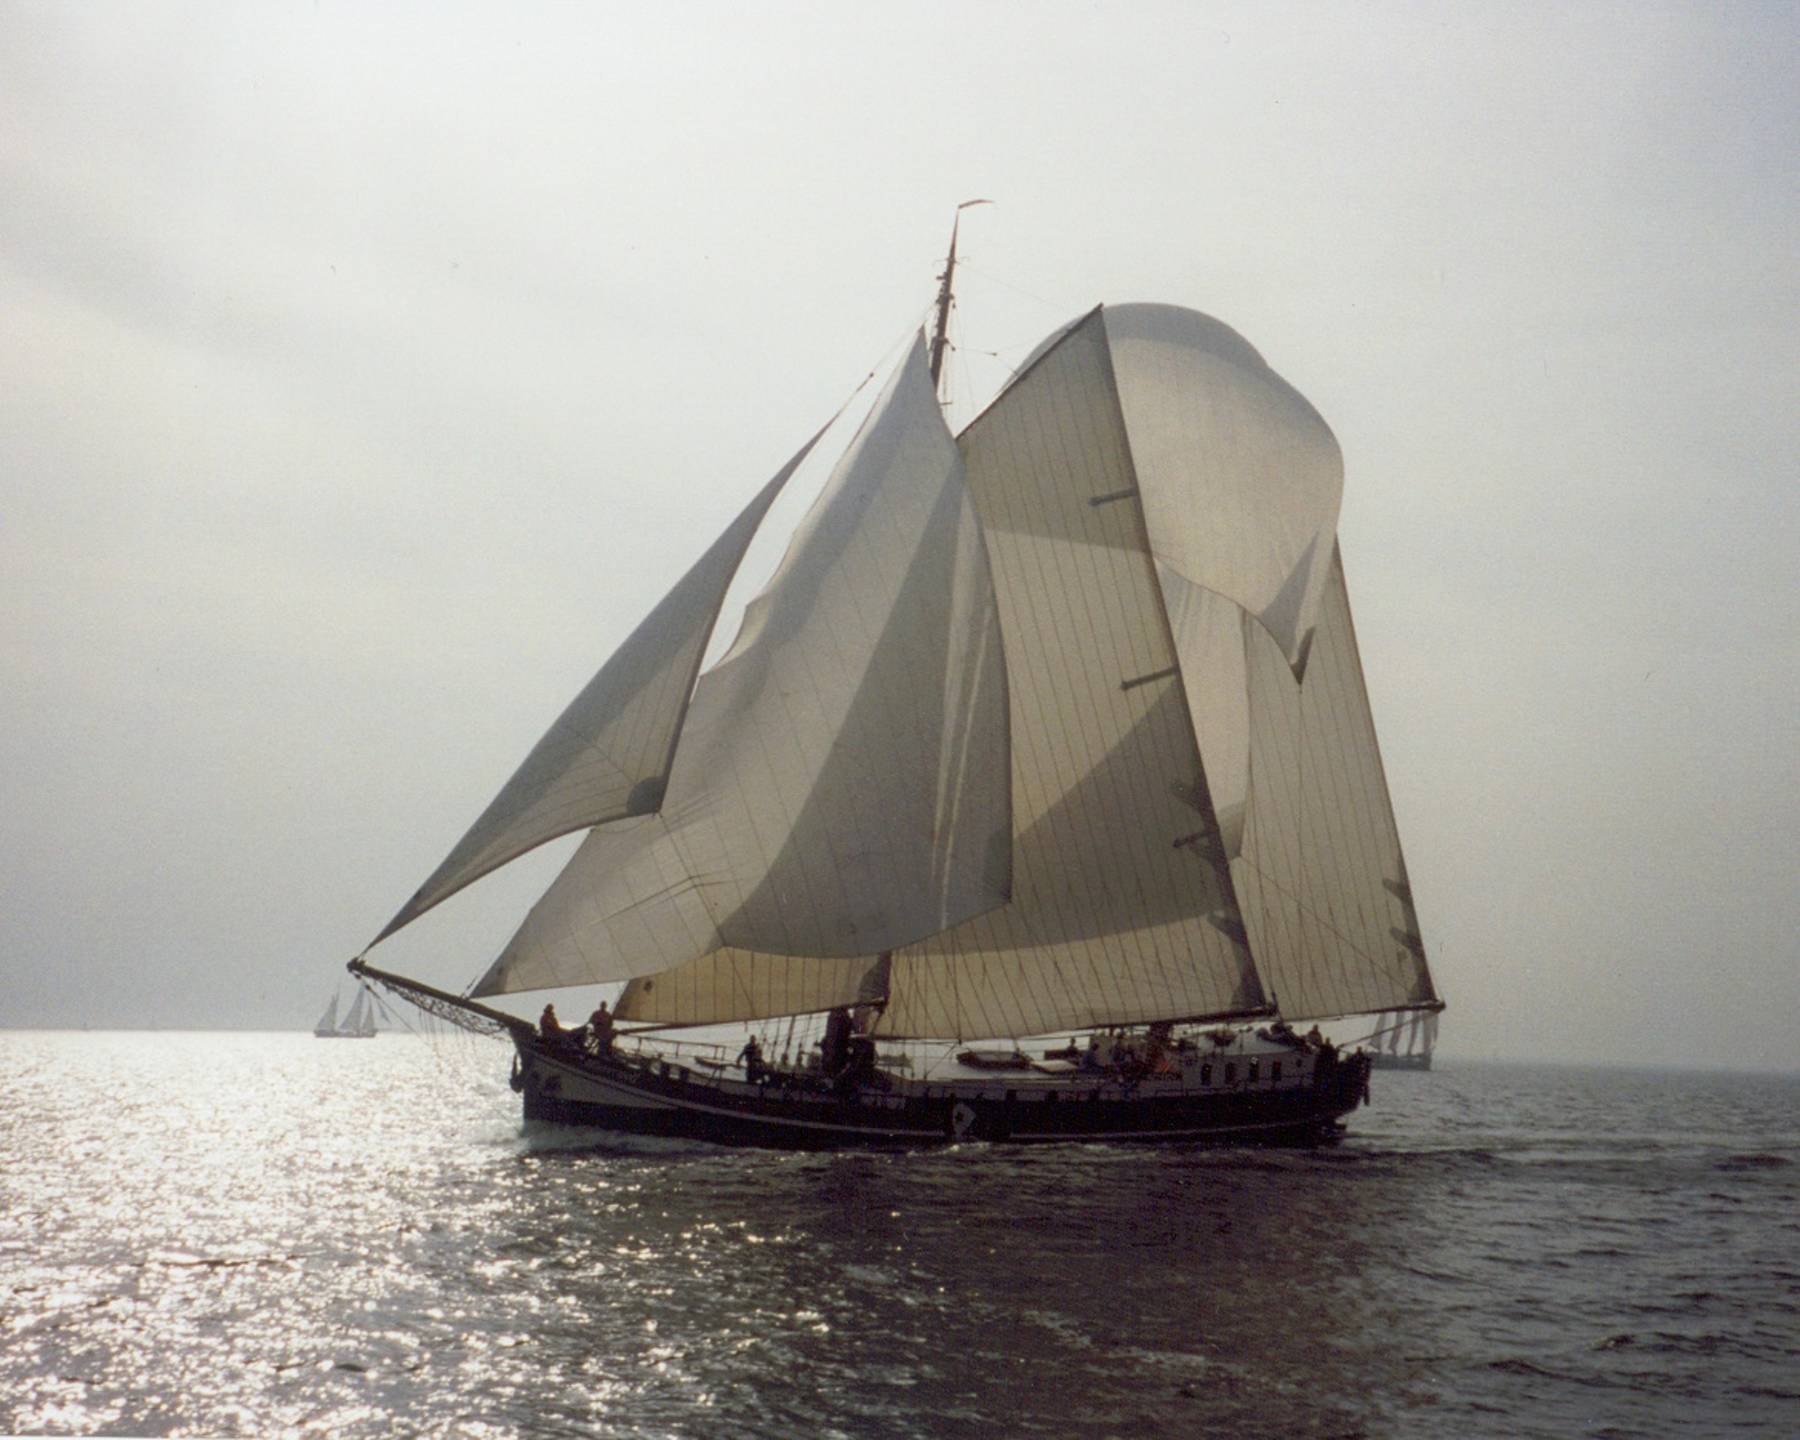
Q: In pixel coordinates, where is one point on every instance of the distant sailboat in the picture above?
(359, 1024)
(1055, 728)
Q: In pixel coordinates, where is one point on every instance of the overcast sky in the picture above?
(367, 372)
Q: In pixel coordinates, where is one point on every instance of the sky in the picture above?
(366, 373)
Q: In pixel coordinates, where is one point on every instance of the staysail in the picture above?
(841, 784)
(609, 754)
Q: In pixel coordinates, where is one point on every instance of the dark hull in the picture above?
(805, 1113)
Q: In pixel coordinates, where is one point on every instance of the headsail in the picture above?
(608, 755)
(841, 786)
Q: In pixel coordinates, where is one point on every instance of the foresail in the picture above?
(608, 754)
(1121, 909)
(841, 786)
(1321, 875)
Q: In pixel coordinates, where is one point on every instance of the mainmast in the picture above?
(940, 334)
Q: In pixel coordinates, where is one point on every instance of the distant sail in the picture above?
(841, 784)
(357, 1021)
(608, 755)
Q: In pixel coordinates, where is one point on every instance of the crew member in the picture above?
(600, 1031)
(834, 1049)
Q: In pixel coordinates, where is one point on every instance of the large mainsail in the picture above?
(1122, 907)
(841, 784)
(608, 755)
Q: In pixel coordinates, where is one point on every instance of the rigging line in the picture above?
(1060, 306)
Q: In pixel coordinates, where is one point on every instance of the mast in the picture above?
(940, 331)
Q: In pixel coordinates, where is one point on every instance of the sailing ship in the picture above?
(1421, 1036)
(358, 1024)
(1047, 740)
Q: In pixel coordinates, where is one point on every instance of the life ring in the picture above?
(962, 1119)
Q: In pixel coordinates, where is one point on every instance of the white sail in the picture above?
(1157, 711)
(841, 784)
(328, 1021)
(1240, 479)
(608, 754)
(1121, 909)
(731, 985)
(1321, 876)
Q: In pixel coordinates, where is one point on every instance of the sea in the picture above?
(268, 1234)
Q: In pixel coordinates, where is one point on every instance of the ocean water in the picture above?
(268, 1234)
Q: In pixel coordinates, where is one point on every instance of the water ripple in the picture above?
(254, 1235)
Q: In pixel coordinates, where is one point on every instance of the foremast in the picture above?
(940, 330)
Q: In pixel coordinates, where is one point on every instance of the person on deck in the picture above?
(600, 1031)
(859, 1065)
(834, 1050)
(1156, 1048)
(751, 1055)
(551, 1031)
